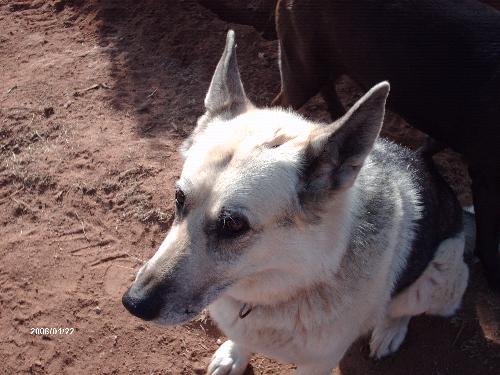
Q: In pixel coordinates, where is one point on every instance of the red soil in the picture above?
(95, 98)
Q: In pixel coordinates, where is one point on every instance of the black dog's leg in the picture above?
(431, 146)
(299, 81)
(486, 192)
(332, 100)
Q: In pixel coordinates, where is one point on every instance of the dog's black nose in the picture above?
(143, 305)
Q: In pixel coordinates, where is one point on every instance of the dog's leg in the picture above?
(438, 291)
(486, 194)
(331, 98)
(229, 359)
(302, 74)
(388, 336)
(303, 68)
(330, 361)
(431, 147)
(299, 81)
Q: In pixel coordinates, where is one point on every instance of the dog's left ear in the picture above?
(336, 153)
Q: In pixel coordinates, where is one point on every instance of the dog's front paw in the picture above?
(229, 359)
(388, 337)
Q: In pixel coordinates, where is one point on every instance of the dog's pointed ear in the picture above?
(226, 94)
(336, 153)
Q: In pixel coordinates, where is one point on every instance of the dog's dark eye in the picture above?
(179, 198)
(232, 225)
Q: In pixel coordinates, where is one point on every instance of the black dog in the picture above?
(442, 58)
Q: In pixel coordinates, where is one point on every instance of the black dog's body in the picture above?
(442, 58)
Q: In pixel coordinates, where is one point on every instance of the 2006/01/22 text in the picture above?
(52, 331)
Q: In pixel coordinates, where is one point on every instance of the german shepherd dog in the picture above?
(299, 236)
(442, 58)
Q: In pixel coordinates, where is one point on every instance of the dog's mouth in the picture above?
(170, 307)
(172, 317)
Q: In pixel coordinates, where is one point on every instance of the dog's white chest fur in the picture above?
(292, 332)
(316, 324)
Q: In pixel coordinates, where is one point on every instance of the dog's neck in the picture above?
(303, 299)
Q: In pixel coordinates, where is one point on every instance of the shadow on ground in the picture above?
(163, 54)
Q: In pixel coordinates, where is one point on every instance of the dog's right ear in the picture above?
(226, 96)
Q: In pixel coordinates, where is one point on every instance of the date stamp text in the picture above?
(52, 331)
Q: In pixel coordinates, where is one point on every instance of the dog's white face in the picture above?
(252, 190)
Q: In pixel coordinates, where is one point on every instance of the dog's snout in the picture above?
(143, 304)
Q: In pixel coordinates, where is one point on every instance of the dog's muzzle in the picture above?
(144, 305)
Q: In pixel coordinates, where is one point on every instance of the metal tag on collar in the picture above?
(245, 310)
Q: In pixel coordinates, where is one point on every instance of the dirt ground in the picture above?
(95, 98)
